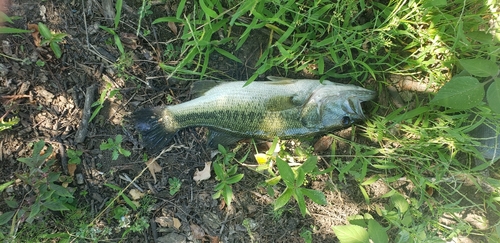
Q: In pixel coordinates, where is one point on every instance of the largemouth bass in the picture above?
(285, 108)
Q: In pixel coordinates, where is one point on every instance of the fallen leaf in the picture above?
(36, 34)
(168, 222)
(214, 239)
(323, 144)
(172, 27)
(136, 194)
(204, 174)
(177, 223)
(198, 232)
(71, 169)
(153, 167)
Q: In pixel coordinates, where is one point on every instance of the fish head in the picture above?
(335, 106)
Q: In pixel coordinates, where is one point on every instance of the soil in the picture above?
(50, 101)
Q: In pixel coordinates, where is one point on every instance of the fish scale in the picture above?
(264, 109)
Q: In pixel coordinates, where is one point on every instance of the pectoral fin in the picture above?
(215, 138)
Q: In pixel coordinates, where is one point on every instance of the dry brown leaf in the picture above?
(323, 144)
(204, 174)
(35, 34)
(214, 239)
(136, 194)
(71, 169)
(153, 167)
(177, 223)
(198, 232)
(172, 27)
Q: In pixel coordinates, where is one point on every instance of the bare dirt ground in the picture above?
(49, 101)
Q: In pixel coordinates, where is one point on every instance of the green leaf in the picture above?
(5, 18)
(114, 155)
(234, 179)
(377, 232)
(480, 67)
(208, 11)
(56, 49)
(460, 93)
(5, 185)
(180, 9)
(309, 164)
(273, 181)
(44, 31)
(35, 210)
(283, 199)
(129, 202)
(351, 234)
(61, 191)
(246, 6)
(493, 96)
(316, 196)
(481, 36)
(227, 192)
(400, 203)
(55, 206)
(5, 217)
(218, 171)
(123, 151)
(228, 55)
(9, 30)
(118, 8)
(301, 175)
(286, 172)
(118, 139)
(299, 197)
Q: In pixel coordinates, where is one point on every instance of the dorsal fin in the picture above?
(280, 80)
(199, 88)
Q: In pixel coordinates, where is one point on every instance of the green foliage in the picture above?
(9, 30)
(361, 229)
(175, 185)
(74, 156)
(115, 147)
(465, 91)
(47, 194)
(51, 38)
(226, 174)
(4, 125)
(294, 180)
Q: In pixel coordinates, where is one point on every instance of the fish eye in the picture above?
(346, 120)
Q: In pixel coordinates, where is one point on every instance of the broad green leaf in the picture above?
(5, 217)
(370, 180)
(218, 171)
(219, 186)
(301, 175)
(283, 198)
(55, 206)
(35, 210)
(480, 67)
(377, 232)
(5, 18)
(481, 36)
(299, 197)
(351, 234)
(309, 164)
(114, 155)
(234, 179)
(228, 194)
(273, 181)
(61, 191)
(44, 31)
(400, 203)
(493, 96)
(286, 172)
(316, 196)
(125, 152)
(460, 93)
(9, 30)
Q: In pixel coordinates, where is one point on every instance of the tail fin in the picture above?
(155, 135)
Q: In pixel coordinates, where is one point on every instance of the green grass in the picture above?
(425, 143)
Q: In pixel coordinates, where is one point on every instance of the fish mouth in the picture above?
(353, 103)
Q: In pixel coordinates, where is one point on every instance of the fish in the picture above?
(284, 108)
